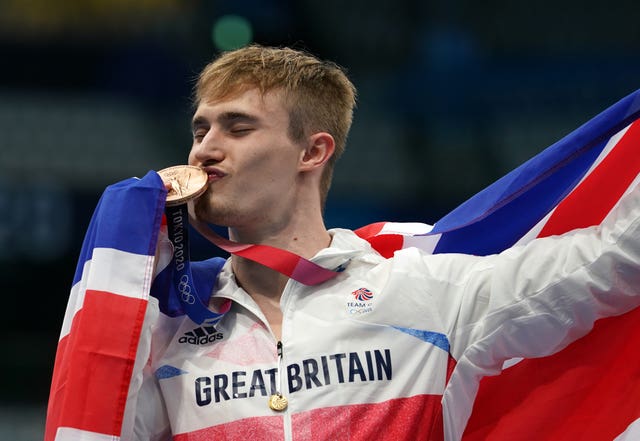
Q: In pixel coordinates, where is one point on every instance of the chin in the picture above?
(208, 211)
(202, 207)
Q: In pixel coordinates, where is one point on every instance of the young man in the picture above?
(268, 128)
(367, 354)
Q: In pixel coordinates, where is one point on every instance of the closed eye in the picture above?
(241, 130)
(199, 128)
(238, 123)
(199, 134)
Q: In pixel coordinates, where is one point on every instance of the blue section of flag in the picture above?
(435, 338)
(127, 218)
(204, 275)
(507, 219)
(501, 214)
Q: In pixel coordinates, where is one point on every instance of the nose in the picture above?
(206, 151)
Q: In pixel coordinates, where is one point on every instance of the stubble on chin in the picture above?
(202, 207)
(208, 211)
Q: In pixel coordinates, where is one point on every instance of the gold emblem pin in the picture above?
(278, 403)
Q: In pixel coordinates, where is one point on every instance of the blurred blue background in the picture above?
(452, 95)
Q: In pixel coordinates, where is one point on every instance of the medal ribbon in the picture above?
(194, 307)
(285, 262)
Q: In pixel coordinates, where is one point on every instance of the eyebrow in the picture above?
(197, 122)
(225, 118)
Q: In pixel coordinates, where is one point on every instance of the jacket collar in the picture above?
(345, 248)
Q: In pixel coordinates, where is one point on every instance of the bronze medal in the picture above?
(278, 403)
(186, 181)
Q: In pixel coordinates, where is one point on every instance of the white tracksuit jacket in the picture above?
(367, 355)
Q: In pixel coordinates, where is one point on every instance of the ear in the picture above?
(320, 147)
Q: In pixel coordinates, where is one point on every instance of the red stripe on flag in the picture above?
(94, 364)
(590, 202)
(370, 230)
(385, 244)
(587, 391)
(54, 408)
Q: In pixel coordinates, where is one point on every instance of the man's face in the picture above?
(244, 145)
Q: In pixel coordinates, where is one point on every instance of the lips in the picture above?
(214, 173)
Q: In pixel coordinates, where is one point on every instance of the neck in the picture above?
(265, 285)
(257, 279)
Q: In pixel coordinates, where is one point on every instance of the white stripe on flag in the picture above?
(425, 243)
(110, 261)
(631, 434)
(413, 234)
(405, 228)
(71, 434)
(136, 284)
(535, 231)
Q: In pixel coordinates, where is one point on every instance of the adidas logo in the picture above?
(201, 335)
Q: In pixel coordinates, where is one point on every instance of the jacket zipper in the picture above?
(282, 374)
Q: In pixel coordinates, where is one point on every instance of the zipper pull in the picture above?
(277, 401)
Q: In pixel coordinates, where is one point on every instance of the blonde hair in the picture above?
(317, 94)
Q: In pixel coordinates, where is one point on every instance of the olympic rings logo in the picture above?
(185, 290)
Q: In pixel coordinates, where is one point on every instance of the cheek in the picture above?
(276, 171)
(191, 160)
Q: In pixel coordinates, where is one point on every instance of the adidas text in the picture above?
(201, 336)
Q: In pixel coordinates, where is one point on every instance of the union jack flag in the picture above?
(573, 183)
(99, 341)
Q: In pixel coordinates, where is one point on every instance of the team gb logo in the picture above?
(362, 302)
